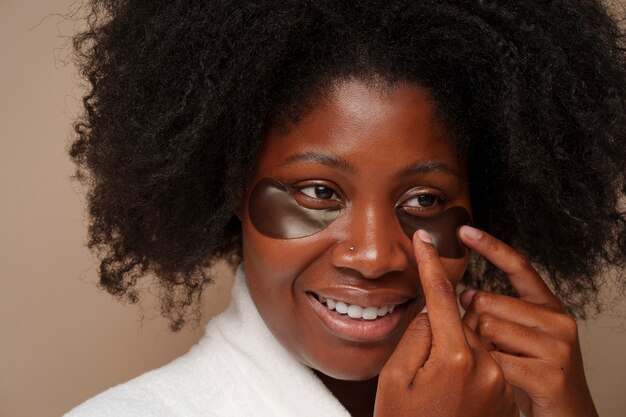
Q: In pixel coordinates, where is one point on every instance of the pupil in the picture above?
(426, 200)
(323, 192)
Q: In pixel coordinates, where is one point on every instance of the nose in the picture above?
(373, 244)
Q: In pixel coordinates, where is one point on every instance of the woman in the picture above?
(339, 152)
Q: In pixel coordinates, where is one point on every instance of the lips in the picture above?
(359, 321)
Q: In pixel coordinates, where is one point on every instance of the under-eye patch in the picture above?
(442, 229)
(275, 213)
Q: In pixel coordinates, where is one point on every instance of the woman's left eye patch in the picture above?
(275, 213)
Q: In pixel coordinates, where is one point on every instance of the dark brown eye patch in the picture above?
(276, 214)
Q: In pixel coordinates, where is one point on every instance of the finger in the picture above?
(411, 353)
(525, 373)
(521, 274)
(443, 312)
(476, 343)
(516, 339)
(525, 313)
(492, 373)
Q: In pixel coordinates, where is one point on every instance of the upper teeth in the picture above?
(357, 312)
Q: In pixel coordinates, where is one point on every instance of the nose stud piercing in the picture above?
(351, 248)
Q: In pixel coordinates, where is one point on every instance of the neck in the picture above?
(356, 396)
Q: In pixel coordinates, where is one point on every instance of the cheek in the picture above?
(274, 270)
(278, 260)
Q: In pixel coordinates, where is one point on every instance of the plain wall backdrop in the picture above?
(61, 339)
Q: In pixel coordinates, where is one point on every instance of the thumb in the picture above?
(412, 351)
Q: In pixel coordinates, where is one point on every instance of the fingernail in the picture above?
(424, 310)
(424, 236)
(471, 233)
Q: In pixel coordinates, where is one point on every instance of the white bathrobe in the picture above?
(237, 369)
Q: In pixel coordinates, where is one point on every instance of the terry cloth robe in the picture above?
(237, 369)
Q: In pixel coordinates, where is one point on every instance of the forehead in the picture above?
(364, 123)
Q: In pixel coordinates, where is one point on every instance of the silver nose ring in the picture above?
(351, 248)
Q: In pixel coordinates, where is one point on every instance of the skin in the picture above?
(358, 142)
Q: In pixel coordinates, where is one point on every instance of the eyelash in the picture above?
(335, 201)
(317, 187)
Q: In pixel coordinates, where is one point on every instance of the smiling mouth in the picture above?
(355, 311)
(356, 323)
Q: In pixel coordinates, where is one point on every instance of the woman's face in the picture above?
(362, 154)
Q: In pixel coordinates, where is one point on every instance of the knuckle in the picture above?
(493, 376)
(546, 400)
(486, 325)
(523, 263)
(461, 360)
(482, 301)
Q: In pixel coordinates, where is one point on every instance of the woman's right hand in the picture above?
(440, 367)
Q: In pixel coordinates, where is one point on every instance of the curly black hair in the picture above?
(181, 92)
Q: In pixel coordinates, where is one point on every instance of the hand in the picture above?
(531, 338)
(440, 368)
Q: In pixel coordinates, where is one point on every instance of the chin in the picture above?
(360, 374)
(355, 365)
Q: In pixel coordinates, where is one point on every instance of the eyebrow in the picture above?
(321, 158)
(415, 168)
(425, 167)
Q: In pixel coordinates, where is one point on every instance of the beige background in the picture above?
(61, 339)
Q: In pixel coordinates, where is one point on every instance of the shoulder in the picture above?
(172, 390)
(121, 402)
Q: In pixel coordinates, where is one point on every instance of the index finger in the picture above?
(443, 312)
(522, 276)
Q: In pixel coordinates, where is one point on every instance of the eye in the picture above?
(424, 203)
(317, 196)
(422, 200)
(319, 191)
